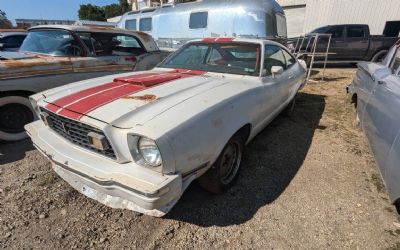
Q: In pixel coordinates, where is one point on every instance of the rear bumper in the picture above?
(126, 186)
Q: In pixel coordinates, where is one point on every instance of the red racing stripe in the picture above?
(76, 105)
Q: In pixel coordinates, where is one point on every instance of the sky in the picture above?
(46, 9)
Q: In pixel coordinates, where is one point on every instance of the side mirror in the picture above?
(276, 70)
(1, 46)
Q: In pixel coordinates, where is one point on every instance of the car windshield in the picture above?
(52, 42)
(231, 58)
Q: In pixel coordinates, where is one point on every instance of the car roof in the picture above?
(238, 40)
(12, 32)
(147, 41)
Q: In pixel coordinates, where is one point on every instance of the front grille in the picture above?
(77, 133)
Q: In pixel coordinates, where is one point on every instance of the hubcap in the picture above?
(13, 118)
(230, 163)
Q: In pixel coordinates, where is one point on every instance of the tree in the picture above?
(112, 10)
(91, 12)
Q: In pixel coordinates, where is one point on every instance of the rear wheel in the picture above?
(15, 113)
(223, 174)
(380, 56)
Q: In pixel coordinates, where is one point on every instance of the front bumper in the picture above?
(126, 186)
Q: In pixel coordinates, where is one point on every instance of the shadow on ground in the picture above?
(14, 151)
(272, 160)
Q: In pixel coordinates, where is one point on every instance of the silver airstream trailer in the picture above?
(172, 25)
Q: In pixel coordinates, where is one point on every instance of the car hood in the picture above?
(19, 65)
(127, 100)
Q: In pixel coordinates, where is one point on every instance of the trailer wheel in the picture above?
(15, 113)
(379, 56)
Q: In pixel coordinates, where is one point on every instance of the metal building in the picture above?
(305, 15)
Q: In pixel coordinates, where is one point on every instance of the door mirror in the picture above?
(1, 46)
(276, 70)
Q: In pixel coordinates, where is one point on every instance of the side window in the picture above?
(198, 20)
(281, 27)
(273, 56)
(355, 32)
(336, 32)
(145, 24)
(395, 61)
(130, 24)
(109, 44)
(290, 61)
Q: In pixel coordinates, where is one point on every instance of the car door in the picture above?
(337, 43)
(276, 88)
(108, 53)
(382, 115)
(357, 42)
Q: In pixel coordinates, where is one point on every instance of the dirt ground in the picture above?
(308, 182)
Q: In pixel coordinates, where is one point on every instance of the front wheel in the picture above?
(15, 113)
(223, 174)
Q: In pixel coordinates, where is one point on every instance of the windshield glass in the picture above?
(232, 58)
(52, 42)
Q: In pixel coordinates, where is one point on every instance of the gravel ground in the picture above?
(308, 181)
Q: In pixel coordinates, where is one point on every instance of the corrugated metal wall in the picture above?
(375, 13)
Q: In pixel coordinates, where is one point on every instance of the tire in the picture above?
(379, 56)
(289, 110)
(15, 113)
(397, 205)
(224, 172)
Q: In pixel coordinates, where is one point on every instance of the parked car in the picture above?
(136, 141)
(350, 43)
(52, 56)
(376, 93)
(11, 40)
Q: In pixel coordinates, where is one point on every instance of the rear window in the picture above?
(130, 24)
(145, 24)
(198, 20)
(355, 32)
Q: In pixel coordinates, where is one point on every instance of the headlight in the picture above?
(149, 151)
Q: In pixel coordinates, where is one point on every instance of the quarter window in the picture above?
(273, 56)
(130, 24)
(198, 20)
(145, 24)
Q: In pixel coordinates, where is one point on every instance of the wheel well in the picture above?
(16, 93)
(244, 132)
(379, 51)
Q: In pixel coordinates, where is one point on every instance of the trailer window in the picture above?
(355, 32)
(281, 25)
(145, 24)
(198, 20)
(130, 24)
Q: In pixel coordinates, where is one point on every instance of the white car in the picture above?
(137, 140)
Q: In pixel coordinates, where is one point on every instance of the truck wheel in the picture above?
(223, 174)
(15, 112)
(380, 56)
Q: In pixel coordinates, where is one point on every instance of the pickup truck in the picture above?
(54, 55)
(350, 43)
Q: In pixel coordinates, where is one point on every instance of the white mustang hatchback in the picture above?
(137, 140)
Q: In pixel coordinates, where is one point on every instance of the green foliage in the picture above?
(91, 12)
(97, 13)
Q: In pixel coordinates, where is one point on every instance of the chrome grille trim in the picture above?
(77, 133)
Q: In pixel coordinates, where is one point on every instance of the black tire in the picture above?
(15, 113)
(289, 110)
(397, 205)
(224, 172)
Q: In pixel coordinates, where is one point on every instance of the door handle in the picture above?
(380, 82)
